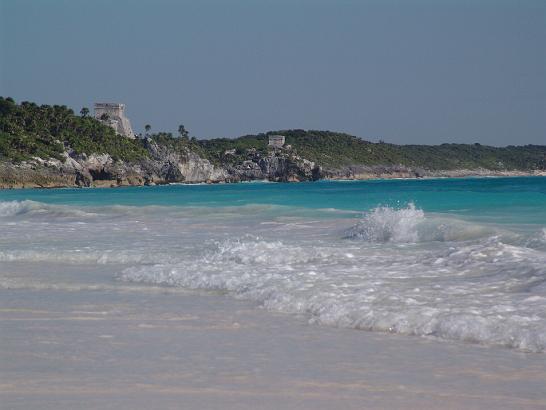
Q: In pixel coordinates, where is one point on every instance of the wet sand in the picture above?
(144, 348)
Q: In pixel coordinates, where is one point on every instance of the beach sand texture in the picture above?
(169, 349)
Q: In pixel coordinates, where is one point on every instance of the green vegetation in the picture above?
(332, 150)
(215, 149)
(183, 132)
(179, 145)
(28, 130)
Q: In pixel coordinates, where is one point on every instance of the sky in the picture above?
(405, 72)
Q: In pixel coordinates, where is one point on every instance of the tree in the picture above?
(7, 106)
(182, 132)
(84, 112)
(45, 131)
(147, 127)
(105, 117)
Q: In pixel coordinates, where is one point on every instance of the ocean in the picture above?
(449, 260)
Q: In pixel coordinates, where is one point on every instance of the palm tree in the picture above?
(147, 127)
(182, 131)
(84, 112)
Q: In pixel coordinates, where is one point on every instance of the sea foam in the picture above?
(409, 225)
(470, 291)
(385, 224)
(12, 208)
(33, 208)
(397, 270)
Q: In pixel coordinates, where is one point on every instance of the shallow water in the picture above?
(450, 259)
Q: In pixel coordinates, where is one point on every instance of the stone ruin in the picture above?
(276, 141)
(113, 115)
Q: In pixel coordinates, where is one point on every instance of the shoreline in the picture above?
(97, 306)
(116, 348)
(456, 174)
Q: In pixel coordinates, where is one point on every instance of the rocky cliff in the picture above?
(163, 165)
(51, 146)
(361, 172)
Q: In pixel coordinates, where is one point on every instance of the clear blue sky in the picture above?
(403, 71)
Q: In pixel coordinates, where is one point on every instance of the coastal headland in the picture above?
(50, 146)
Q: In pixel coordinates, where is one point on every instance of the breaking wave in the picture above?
(385, 224)
(409, 225)
(12, 208)
(482, 291)
(395, 270)
(536, 241)
(77, 256)
(33, 208)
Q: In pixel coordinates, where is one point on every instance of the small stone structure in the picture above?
(116, 118)
(276, 141)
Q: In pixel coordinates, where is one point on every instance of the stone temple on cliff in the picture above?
(276, 141)
(113, 114)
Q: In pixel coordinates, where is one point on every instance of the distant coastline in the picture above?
(50, 146)
(43, 178)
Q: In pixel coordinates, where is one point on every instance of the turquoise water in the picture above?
(450, 259)
(505, 200)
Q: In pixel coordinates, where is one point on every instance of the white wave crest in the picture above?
(484, 292)
(385, 224)
(410, 225)
(27, 207)
(12, 208)
(77, 256)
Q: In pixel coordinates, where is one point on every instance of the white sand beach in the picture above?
(169, 349)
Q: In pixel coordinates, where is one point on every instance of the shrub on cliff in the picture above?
(181, 145)
(333, 149)
(28, 130)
